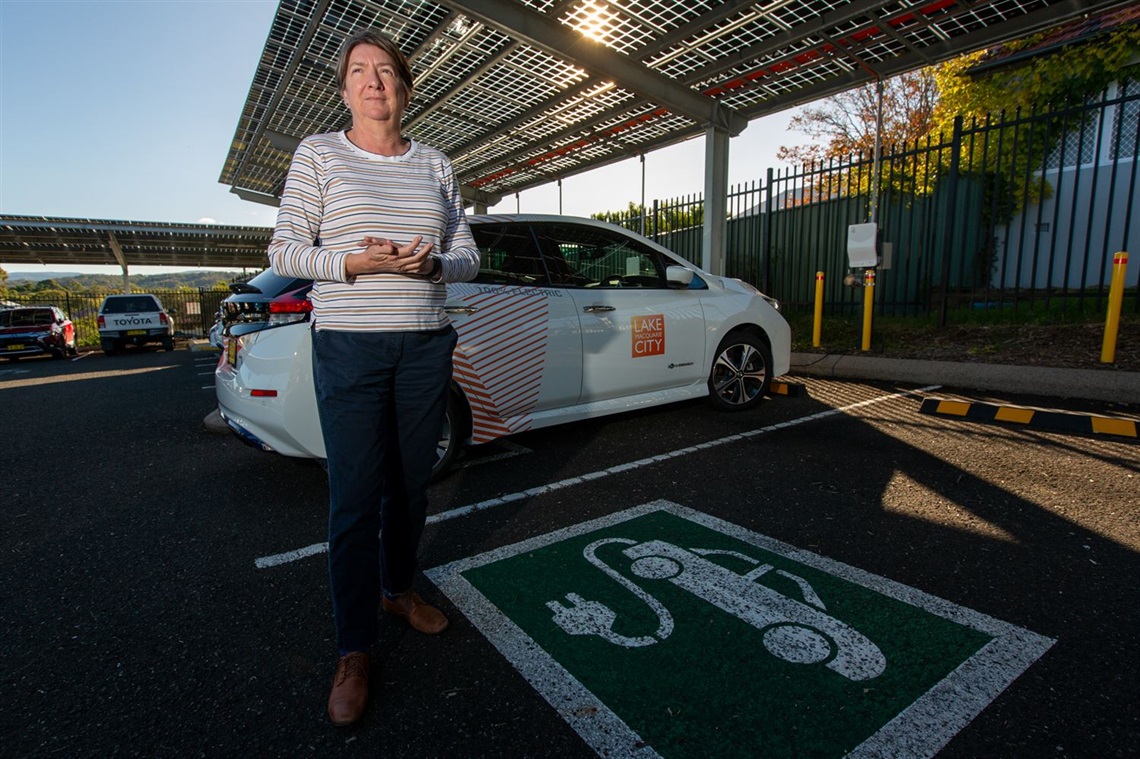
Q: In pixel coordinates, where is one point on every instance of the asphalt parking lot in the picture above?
(165, 593)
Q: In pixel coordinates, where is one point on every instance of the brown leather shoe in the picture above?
(422, 617)
(349, 693)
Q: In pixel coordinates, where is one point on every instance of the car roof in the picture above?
(543, 218)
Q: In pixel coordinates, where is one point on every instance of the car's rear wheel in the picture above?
(452, 436)
(108, 346)
(740, 373)
(168, 343)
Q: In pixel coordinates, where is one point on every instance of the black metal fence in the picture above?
(193, 311)
(1017, 212)
(1013, 213)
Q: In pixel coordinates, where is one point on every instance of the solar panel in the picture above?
(513, 109)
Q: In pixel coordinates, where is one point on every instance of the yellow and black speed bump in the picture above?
(1042, 419)
(779, 387)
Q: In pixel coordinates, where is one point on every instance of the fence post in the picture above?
(1115, 301)
(951, 218)
(766, 246)
(868, 306)
(817, 322)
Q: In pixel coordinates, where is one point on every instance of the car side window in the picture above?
(593, 257)
(508, 256)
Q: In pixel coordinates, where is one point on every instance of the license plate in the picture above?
(16, 347)
(231, 351)
(136, 331)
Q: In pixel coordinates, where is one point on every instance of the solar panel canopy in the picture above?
(519, 93)
(42, 240)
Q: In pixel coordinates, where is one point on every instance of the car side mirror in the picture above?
(678, 276)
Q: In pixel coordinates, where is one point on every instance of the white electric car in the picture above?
(568, 319)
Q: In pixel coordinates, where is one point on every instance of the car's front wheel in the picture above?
(740, 372)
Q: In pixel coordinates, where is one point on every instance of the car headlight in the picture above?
(751, 289)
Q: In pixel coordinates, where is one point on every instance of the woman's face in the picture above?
(372, 88)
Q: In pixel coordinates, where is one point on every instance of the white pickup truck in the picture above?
(134, 320)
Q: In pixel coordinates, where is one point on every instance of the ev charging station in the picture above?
(865, 251)
(863, 259)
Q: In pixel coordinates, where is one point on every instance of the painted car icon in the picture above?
(798, 632)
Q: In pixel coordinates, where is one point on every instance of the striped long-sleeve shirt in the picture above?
(336, 195)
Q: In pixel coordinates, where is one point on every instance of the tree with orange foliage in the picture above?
(844, 125)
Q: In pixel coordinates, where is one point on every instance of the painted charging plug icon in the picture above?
(798, 632)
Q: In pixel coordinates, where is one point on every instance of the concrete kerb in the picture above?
(1084, 384)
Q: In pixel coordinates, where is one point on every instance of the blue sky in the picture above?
(125, 109)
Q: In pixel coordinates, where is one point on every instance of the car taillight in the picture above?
(162, 318)
(102, 323)
(288, 311)
(263, 393)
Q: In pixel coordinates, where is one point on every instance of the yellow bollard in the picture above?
(868, 302)
(817, 325)
(1115, 300)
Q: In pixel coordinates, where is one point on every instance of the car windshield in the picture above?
(26, 317)
(129, 305)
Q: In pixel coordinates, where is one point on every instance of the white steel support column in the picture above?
(716, 200)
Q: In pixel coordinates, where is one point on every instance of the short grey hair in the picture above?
(385, 43)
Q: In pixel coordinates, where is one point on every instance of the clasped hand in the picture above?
(381, 255)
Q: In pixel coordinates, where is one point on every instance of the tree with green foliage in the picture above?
(1052, 85)
(1071, 74)
(668, 218)
(924, 104)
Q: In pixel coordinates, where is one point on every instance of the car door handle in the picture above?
(597, 309)
(460, 309)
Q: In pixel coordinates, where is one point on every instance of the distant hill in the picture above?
(37, 276)
(112, 282)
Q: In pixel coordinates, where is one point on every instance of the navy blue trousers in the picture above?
(381, 397)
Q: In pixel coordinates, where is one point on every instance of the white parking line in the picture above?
(288, 556)
(462, 511)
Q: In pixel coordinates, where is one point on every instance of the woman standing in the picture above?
(377, 221)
